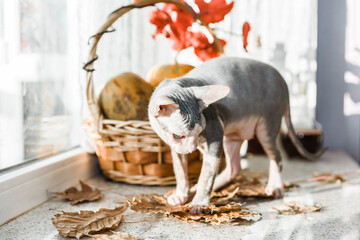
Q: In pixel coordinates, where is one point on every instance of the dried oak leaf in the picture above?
(74, 224)
(331, 178)
(223, 200)
(240, 187)
(294, 207)
(214, 217)
(244, 188)
(85, 194)
(223, 207)
(211, 214)
(153, 204)
(289, 185)
(116, 236)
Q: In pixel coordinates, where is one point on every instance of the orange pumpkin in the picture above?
(125, 97)
(159, 73)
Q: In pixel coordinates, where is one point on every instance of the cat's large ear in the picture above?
(164, 107)
(211, 93)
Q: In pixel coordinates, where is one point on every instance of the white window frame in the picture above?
(26, 187)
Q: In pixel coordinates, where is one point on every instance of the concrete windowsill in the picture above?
(338, 219)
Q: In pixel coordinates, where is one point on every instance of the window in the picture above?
(40, 95)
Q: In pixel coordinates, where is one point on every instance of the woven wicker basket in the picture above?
(130, 151)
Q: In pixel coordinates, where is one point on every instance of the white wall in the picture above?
(338, 75)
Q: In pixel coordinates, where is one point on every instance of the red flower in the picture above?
(182, 20)
(178, 24)
(245, 31)
(174, 23)
(160, 19)
(177, 39)
(197, 40)
(203, 48)
(214, 11)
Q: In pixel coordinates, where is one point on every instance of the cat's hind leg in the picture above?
(233, 159)
(266, 133)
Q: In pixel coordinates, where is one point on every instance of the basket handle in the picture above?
(88, 67)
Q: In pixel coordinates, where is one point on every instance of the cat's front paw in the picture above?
(196, 209)
(177, 199)
(275, 192)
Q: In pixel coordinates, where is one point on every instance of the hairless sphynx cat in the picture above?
(217, 106)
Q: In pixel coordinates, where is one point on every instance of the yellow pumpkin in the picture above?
(159, 73)
(125, 97)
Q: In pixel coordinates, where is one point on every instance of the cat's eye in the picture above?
(177, 136)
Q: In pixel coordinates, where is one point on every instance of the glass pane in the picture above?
(46, 125)
(38, 107)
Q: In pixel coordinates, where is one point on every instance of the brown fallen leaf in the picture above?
(216, 215)
(211, 214)
(85, 194)
(331, 177)
(245, 188)
(74, 224)
(254, 174)
(241, 186)
(153, 203)
(224, 204)
(294, 207)
(116, 236)
(223, 200)
(214, 218)
(289, 185)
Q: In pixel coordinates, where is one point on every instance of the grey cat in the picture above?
(217, 106)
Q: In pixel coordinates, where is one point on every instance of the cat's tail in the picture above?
(298, 145)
